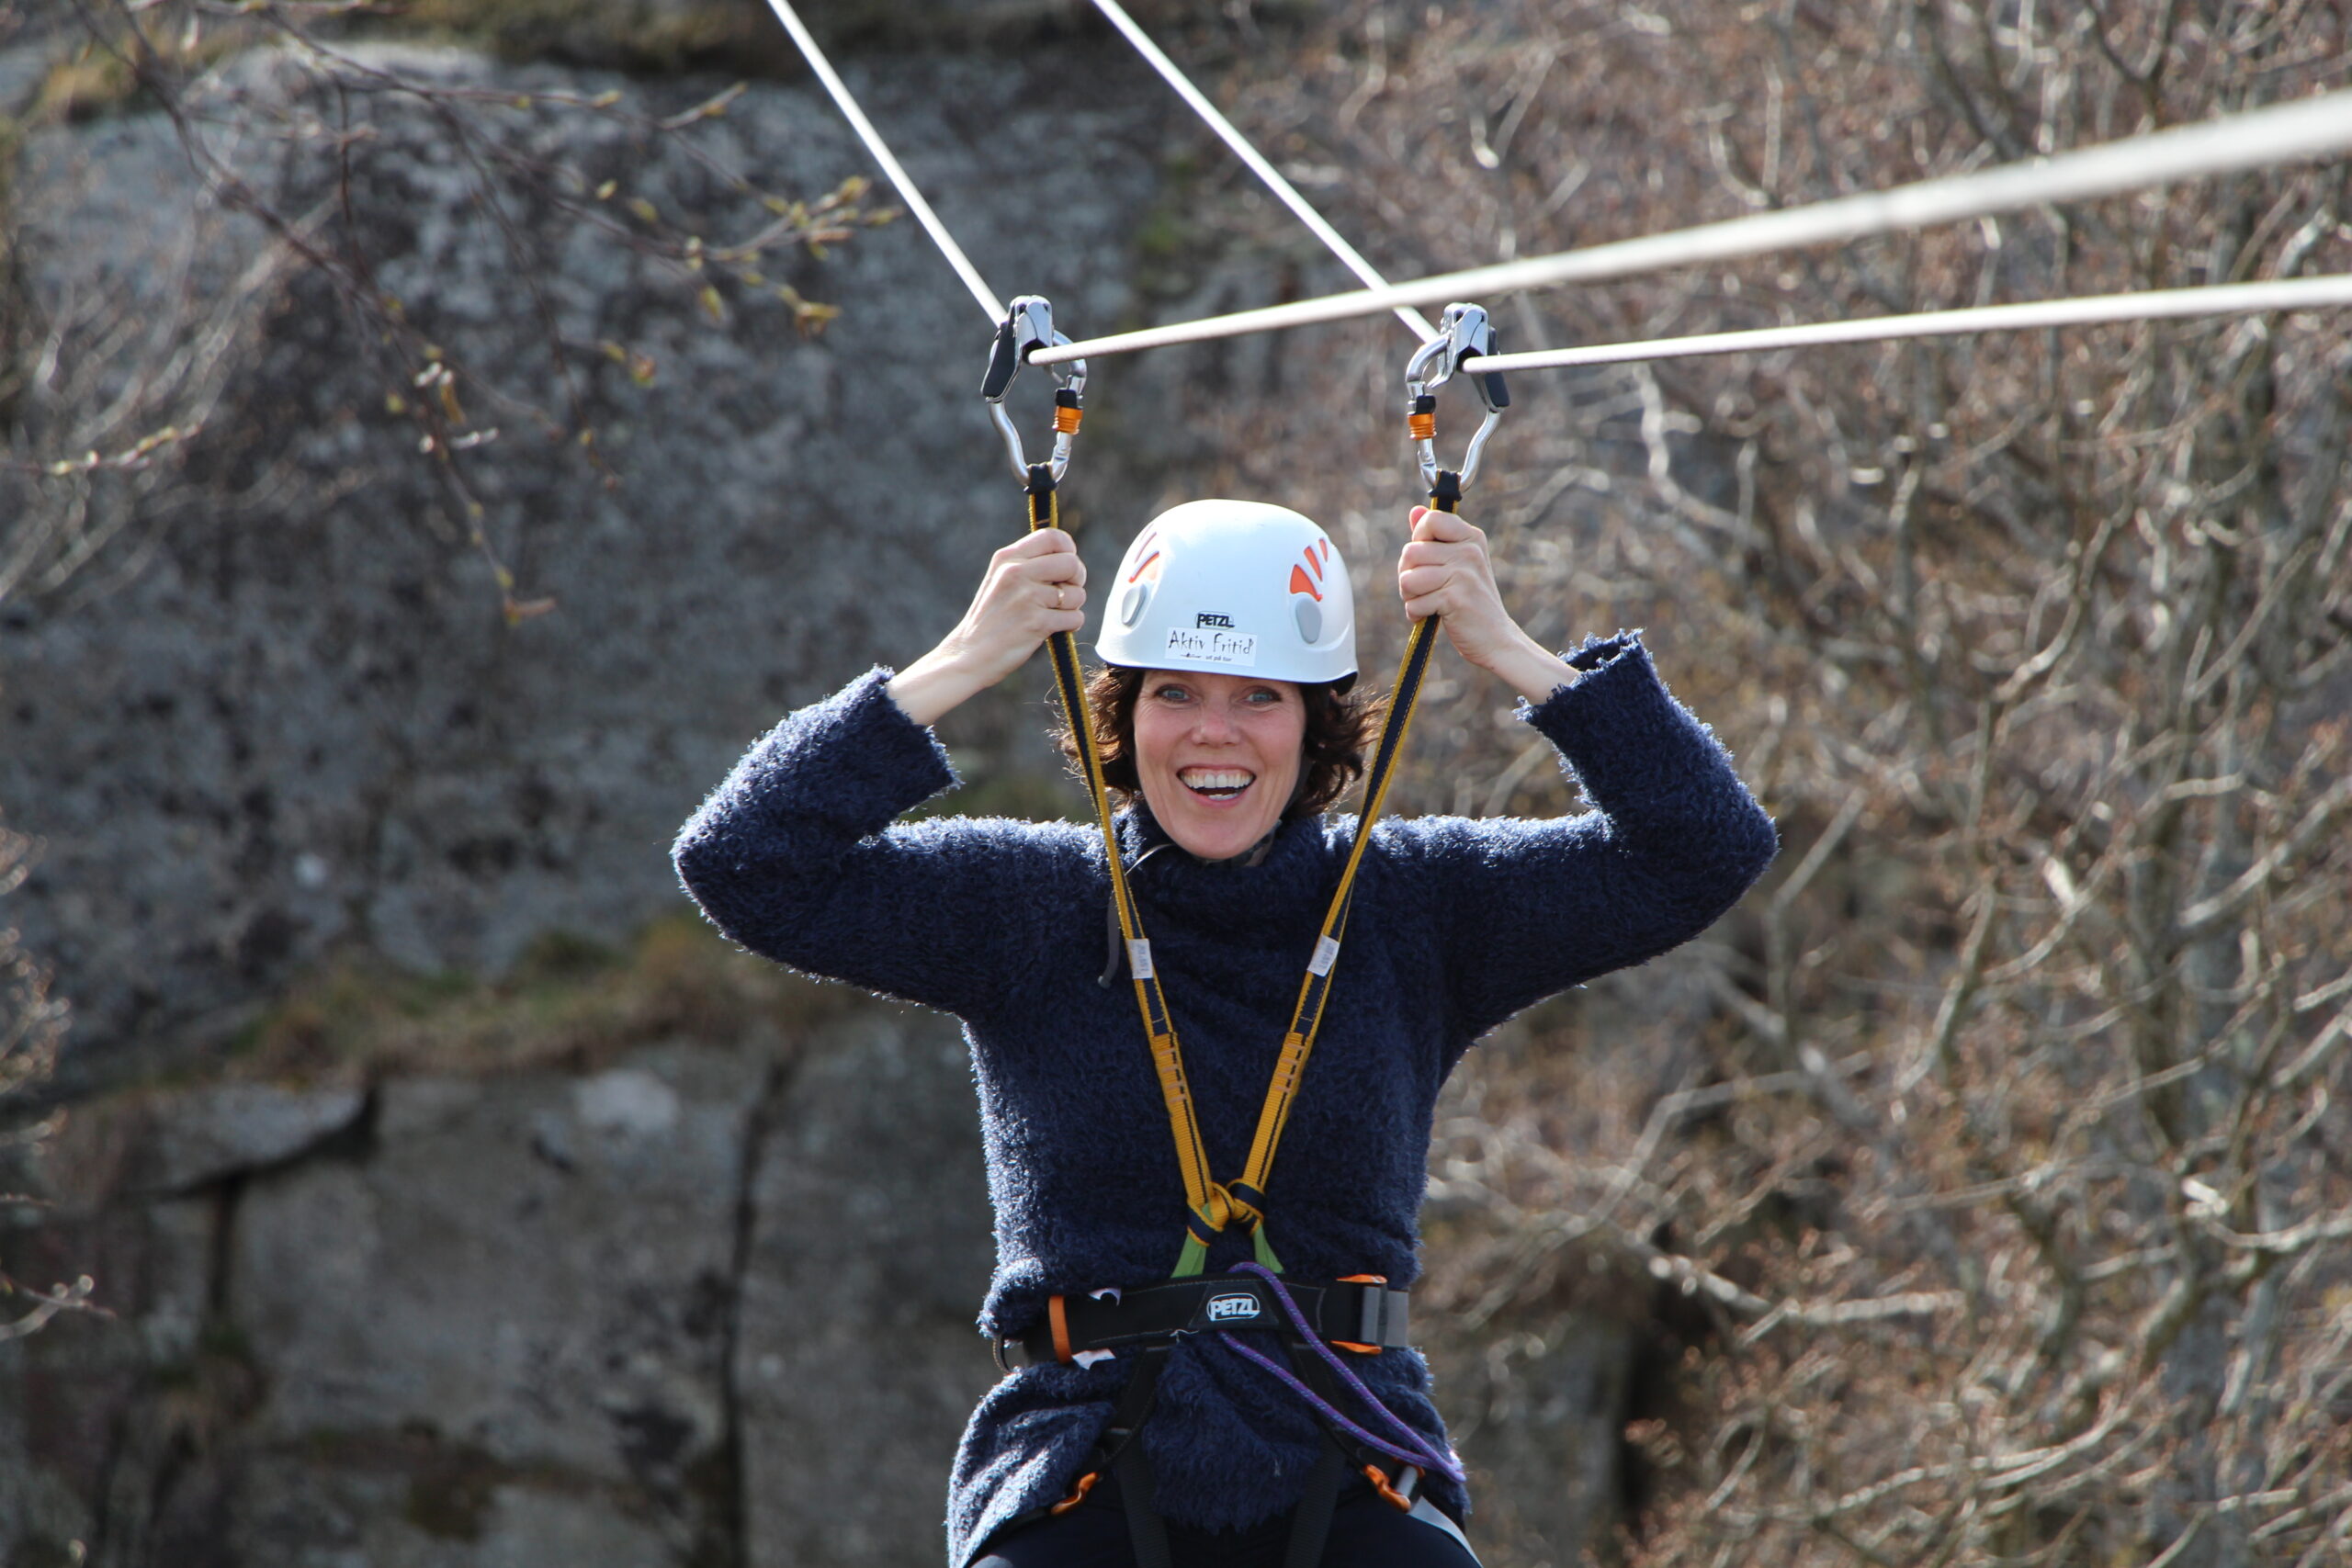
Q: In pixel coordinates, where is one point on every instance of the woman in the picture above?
(1224, 716)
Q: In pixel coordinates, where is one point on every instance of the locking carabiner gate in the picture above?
(1028, 326)
(1465, 333)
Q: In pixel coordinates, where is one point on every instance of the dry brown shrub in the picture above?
(2007, 1162)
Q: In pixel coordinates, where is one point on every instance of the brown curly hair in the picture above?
(1341, 728)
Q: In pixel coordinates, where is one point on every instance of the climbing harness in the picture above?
(1027, 328)
(1361, 1314)
(1210, 1204)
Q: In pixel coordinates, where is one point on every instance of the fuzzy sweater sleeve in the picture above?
(1527, 908)
(798, 857)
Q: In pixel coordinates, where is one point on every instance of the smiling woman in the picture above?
(1336, 730)
(1142, 1424)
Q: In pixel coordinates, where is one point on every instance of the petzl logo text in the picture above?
(1205, 619)
(1232, 1308)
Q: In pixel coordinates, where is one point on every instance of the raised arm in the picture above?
(798, 857)
(795, 856)
(1528, 909)
(1035, 586)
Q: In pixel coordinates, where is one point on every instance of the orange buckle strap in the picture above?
(1085, 1485)
(1380, 1484)
(1058, 1316)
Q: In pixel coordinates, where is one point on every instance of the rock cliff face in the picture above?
(692, 1304)
(284, 715)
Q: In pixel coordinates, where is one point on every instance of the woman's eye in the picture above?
(1172, 694)
(1262, 697)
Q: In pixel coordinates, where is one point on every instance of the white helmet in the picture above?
(1234, 587)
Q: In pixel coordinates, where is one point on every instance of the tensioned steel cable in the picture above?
(1243, 149)
(2306, 129)
(973, 281)
(2221, 299)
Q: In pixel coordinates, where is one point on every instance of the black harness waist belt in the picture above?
(1356, 1314)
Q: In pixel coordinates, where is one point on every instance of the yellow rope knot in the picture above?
(1225, 1207)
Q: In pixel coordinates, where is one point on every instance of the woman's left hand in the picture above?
(1443, 570)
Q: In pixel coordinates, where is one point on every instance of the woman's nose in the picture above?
(1212, 722)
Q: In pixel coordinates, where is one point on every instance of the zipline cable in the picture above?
(1174, 74)
(2308, 128)
(993, 307)
(2223, 300)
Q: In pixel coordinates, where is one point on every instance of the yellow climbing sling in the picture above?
(1211, 1205)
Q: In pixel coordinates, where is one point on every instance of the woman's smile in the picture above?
(1217, 784)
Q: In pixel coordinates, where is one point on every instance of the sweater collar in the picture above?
(1285, 871)
(1148, 838)
(1141, 835)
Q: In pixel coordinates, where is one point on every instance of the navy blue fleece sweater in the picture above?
(1457, 925)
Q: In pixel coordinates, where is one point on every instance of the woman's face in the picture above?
(1217, 756)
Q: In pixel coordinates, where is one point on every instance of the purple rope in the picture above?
(1419, 1455)
(1419, 1452)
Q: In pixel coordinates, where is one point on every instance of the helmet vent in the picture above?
(1310, 619)
(1131, 607)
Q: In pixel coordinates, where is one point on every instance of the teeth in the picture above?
(1216, 780)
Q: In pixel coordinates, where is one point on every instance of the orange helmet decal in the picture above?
(1307, 579)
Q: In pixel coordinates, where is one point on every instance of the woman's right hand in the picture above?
(1035, 586)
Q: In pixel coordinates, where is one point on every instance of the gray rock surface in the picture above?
(858, 1361)
(233, 1127)
(537, 1269)
(1545, 1444)
(682, 1309)
(323, 732)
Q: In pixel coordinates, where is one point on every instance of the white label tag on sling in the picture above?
(1327, 952)
(1139, 958)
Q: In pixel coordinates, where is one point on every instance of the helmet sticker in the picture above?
(1308, 579)
(1151, 561)
(1209, 646)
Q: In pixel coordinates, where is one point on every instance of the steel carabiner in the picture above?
(1028, 326)
(1465, 333)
